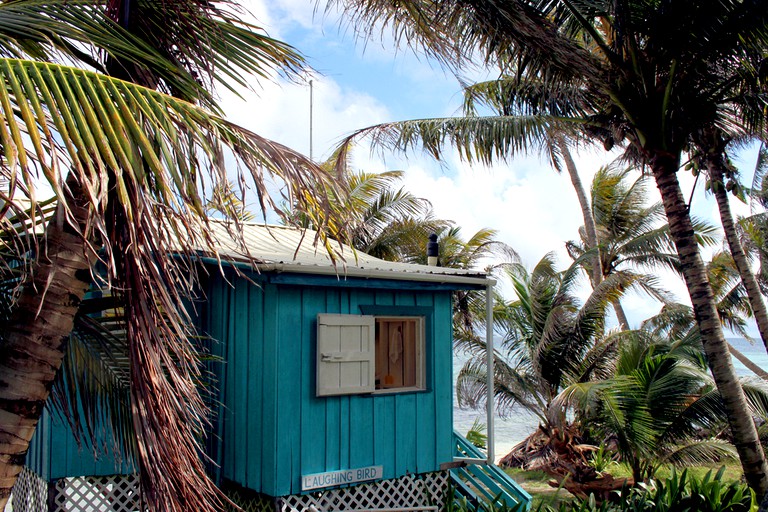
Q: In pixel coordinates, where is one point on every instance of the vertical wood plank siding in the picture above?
(275, 429)
(54, 453)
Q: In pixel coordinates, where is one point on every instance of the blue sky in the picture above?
(358, 84)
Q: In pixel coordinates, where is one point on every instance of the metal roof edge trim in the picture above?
(356, 272)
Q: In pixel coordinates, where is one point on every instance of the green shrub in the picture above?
(602, 459)
(680, 492)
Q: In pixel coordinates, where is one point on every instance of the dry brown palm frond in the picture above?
(136, 158)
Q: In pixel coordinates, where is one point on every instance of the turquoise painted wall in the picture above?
(54, 453)
(272, 427)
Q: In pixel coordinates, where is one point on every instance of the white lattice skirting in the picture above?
(121, 493)
(400, 493)
(117, 493)
(29, 494)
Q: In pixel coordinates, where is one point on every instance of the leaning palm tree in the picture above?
(677, 321)
(723, 178)
(632, 234)
(129, 166)
(755, 227)
(650, 76)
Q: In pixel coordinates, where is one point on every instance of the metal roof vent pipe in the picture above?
(432, 250)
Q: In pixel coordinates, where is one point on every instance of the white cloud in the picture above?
(280, 111)
(534, 209)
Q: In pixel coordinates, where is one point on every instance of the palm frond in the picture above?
(61, 30)
(485, 139)
(209, 40)
(103, 123)
(509, 96)
(700, 452)
(451, 30)
(92, 391)
(136, 157)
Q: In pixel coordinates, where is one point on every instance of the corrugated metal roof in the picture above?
(288, 249)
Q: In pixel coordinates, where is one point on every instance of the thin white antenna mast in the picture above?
(311, 107)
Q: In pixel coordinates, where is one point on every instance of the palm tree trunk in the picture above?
(621, 316)
(665, 166)
(715, 167)
(590, 228)
(36, 337)
(586, 211)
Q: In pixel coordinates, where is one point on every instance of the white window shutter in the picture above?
(346, 349)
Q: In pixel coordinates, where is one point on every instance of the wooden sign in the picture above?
(344, 476)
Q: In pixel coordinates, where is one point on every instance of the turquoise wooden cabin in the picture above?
(335, 382)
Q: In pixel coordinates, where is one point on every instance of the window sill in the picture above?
(397, 391)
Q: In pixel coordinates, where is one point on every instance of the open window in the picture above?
(399, 353)
(370, 354)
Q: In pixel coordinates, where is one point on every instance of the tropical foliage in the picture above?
(680, 491)
(548, 340)
(118, 120)
(372, 216)
(481, 250)
(369, 213)
(657, 78)
(631, 234)
(756, 225)
(655, 405)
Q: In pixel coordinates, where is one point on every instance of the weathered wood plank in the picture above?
(313, 412)
(272, 380)
(289, 342)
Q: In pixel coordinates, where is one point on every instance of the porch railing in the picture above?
(476, 480)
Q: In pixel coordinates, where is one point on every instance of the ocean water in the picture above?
(755, 351)
(517, 426)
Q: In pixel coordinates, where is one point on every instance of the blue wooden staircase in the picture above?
(480, 482)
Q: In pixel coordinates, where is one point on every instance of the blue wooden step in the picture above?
(483, 482)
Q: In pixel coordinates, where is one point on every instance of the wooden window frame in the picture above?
(419, 355)
(372, 313)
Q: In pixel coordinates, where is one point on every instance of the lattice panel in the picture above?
(249, 501)
(117, 493)
(29, 494)
(407, 491)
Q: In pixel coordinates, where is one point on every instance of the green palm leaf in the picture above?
(58, 30)
(701, 452)
(484, 139)
(81, 121)
(137, 157)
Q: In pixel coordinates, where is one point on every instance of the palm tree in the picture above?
(370, 214)
(723, 178)
(677, 320)
(129, 165)
(631, 233)
(556, 144)
(647, 75)
(548, 341)
(655, 404)
(756, 225)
